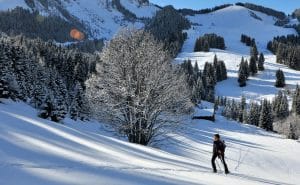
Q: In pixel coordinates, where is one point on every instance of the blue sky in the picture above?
(287, 6)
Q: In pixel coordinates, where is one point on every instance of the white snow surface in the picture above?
(143, 10)
(36, 151)
(230, 23)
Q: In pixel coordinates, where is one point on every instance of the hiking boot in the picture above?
(227, 172)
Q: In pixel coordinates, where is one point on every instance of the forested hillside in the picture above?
(47, 76)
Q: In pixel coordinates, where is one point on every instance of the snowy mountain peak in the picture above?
(101, 17)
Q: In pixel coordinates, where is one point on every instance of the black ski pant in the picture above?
(222, 157)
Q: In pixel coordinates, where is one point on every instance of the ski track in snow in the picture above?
(38, 151)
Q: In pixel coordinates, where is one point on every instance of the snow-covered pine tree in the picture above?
(245, 116)
(254, 114)
(266, 117)
(280, 79)
(291, 132)
(47, 107)
(261, 61)
(78, 105)
(296, 101)
(283, 111)
(197, 91)
(4, 88)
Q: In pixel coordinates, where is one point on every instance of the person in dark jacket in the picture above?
(218, 151)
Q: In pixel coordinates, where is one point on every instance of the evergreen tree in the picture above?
(283, 111)
(261, 61)
(291, 132)
(254, 114)
(253, 66)
(241, 110)
(47, 107)
(280, 79)
(197, 91)
(266, 118)
(247, 69)
(281, 106)
(206, 46)
(296, 101)
(223, 70)
(245, 116)
(4, 89)
(242, 75)
(254, 52)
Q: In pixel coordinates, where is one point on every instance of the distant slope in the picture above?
(230, 23)
(101, 17)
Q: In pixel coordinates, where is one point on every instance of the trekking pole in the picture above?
(219, 166)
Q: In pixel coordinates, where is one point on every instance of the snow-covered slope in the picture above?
(101, 17)
(35, 151)
(230, 23)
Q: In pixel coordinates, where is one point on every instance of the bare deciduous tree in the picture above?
(137, 89)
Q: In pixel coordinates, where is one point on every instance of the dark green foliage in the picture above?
(281, 106)
(280, 79)
(235, 110)
(253, 66)
(208, 41)
(167, 26)
(191, 12)
(127, 14)
(202, 85)
(291, 132)
(32, 24)
(261, 61)
(247, 40)
(42, 74)
(268, 11)
(254, 114)
(243, 73)
(242, 78)
(287, 50)
(88, 46)
(266, 117)
(47, 107)
(296, 101)
(230, 110)
(194, 81)
(254, 52)
(247, 68)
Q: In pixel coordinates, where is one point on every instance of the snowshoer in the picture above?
(219, 151)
